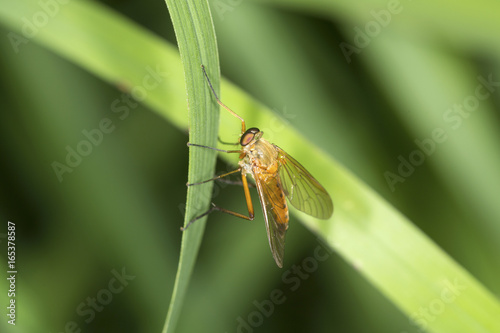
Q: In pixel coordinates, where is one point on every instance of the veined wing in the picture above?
(272, 200)
(304, 192)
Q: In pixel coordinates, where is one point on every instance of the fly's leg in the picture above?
(217, 149)
(217, 177)
(212, 179)
(214, 207)
(234, 182)
(222, 104)
(227, 143)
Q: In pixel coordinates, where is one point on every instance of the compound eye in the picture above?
(248, 136)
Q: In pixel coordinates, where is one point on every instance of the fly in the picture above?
(277, 175)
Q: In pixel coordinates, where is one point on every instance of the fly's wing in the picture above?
(304, 192)
(272, 200)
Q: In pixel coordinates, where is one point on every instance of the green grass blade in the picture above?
(403, 263)
(196, 39)
(382, 244)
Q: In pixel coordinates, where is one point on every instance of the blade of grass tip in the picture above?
(196, 40)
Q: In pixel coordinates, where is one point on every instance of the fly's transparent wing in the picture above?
(272, 200)
(304, 192)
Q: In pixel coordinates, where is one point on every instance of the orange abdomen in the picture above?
(272, 184)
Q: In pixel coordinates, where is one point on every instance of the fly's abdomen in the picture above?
(276, 197)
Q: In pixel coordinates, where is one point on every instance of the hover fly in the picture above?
(277, 175)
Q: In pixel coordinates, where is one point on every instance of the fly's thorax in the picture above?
(246, 164)
(260, 153)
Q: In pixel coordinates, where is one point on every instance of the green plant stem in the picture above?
(196, 39)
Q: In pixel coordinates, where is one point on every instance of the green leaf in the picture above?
(396, 257)
(196, 39)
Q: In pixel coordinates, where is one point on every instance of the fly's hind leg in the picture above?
(215, 178)
(234, 182)
(214, 207)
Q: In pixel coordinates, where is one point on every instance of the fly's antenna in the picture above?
(243, 128)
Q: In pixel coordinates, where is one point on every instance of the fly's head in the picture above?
(250, 136)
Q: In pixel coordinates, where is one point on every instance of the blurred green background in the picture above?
(120, 209)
